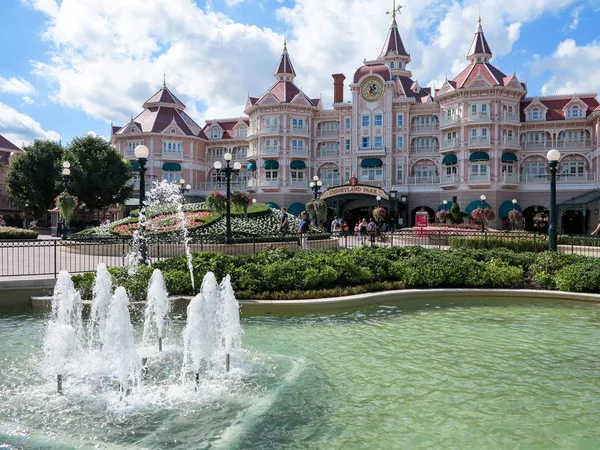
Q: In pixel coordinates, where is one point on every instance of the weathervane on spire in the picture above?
(164, 80)
(395, 9)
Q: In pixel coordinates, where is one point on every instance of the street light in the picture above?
(183, 188)
(66, 173)
(445, 203)
(315, 185)
(482, 198)
(378, 198)
(514, 202)
(553, 156)
(228, 170)
(141, 153)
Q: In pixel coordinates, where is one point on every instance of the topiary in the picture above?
(454, 214)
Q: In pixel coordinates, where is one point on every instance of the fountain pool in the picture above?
(437, 375)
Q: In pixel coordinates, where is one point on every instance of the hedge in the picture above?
(518, 243)
(284, 274)
(17, 233)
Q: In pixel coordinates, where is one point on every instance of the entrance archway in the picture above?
(430, 211)
(536, 218)
(573, 222)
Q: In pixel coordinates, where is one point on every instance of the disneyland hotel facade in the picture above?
(477, 134)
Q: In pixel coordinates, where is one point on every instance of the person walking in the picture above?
(335, 226)
(372, 230)
(363, 230)
(303, 229)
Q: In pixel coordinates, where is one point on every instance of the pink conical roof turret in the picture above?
(285, 70)
(479, 46)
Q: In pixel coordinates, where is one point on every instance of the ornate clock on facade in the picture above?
(371, 89)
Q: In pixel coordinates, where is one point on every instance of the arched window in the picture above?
(535, 113)
(574, 111)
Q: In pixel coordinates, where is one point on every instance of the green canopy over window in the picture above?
(273, 204)
(371, 162)
(447, 206)
(252, 166)
(509, 157)
(450, 159)
(271, 164)
(479, 156)
(474, 205)
(171, 167)
(507, 207)
(296, 208)
(297, 165)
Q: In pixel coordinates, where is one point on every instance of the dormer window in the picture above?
(399, 64)
(241, 132)
(574, 112)
(215, 133)
(535, 114)
(173, 130)
(392, 65)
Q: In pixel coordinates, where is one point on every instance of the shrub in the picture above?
(518, 243)
(17, 233)
(580, 277)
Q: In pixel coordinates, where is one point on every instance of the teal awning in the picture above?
(371, 162)
(479, 156)
(297, 165)
(171, 167)
(271, 164)
(509, 157)
(507, 207)
(450, 159)
(296, 208)
(273, 204)
(252, 166)
(135, 165)
(474, 205)
(447, 206)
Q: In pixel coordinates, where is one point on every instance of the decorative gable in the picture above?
(215, 131)
(575, 109)
(446, 88)
(479, 82)
(173, 129)
(536, 110)
(268, 99)
(240, 129)
(301, 99)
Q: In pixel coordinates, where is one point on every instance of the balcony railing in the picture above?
(479, 140)
(328, 133)
(509, 178)
(270, 150)
(449, 179)
(299, 130)
(299, 183)
(479, 178)
(425, 128)
(252, 153)
(331, 182)
(510, 117)
(573, 143)
(450, 121)
(423, 180)
(536, 144)
(448, 144)
(508, 141)
(480, 116)
(424, 149)
(562, 178)
(371, 149)
(270, 129)
(269, 182)
(208, 186)
(170, 154)
(299, 151)
(129, 153)
(327, 153)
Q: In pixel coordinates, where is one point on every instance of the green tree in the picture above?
(34, 176)
(99, 175)
(455, 215)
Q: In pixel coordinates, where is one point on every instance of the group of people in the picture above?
(303, 226)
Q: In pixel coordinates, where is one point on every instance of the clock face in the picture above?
(371, 89)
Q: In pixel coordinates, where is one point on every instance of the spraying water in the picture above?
(118, 348)
(157, 309)
(65, 328)
(228, 319)
(101, 295)
(139, 241)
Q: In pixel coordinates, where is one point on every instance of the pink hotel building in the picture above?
(477, 134)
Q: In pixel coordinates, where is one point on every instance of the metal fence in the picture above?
(48, 257)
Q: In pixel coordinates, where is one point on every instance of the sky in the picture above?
(70, 67)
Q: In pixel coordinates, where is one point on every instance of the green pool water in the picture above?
(462, 375)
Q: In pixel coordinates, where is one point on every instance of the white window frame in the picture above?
(378, 142)
(298, 175)
(348, 123)
(399, 141)
(371, 173)
(365, 121)
(400, 120)
(378, 120)
(347, 145)
(366, 140)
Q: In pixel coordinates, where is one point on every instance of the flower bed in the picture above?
(169, 223)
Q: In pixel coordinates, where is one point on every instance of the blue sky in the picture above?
(72, 66)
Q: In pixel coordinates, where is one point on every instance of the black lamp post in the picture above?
(315, 185)
(445, 203)
(66, 174)
(553, 157)
(514, 202)
(183, 188)
(378, 198)
(141, 153)
(482, 198)
(228, 170)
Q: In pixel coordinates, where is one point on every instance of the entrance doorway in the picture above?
(536, 219)
(430, 211)
(573, 222)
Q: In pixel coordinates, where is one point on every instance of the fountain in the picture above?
(101, 295)
(65, 327)
(157, 309)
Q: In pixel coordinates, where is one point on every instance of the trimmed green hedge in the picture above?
(587, 241)
(518, 243)
(17, 233)
(284, 274)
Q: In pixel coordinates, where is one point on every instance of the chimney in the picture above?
(338, 87)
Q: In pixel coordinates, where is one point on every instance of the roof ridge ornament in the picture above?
(395, 9)
(164, 80)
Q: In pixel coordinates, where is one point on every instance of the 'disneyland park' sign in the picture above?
(354, 190)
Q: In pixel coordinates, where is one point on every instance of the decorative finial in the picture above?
(164, 80)
(479, 19)
(285, 39)
(394, 11)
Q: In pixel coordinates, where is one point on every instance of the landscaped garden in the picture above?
(285, 274)
(16, 233)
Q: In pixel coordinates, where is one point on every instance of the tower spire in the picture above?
(285, 71)
(480, 50)
(393, 46)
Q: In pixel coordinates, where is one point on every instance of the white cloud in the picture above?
(110, 56)
(14, 85)
(573, 68)
(20, 128)
(231, 3)
(28, 100)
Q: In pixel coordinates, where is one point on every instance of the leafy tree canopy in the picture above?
(99, 175)
(34, 175)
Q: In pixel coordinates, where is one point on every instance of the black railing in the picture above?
(49, 257)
